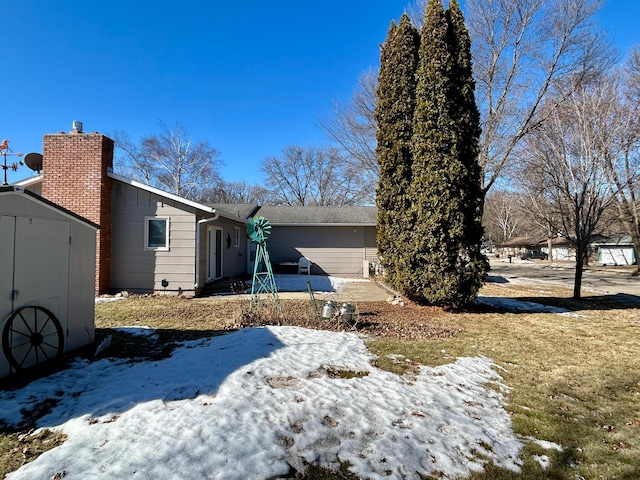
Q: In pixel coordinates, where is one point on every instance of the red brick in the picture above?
(75, 176)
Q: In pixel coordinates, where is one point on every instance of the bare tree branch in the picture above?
(312, 176)
(170, 161)
(565, 174)
(527, 53)
(352, 126)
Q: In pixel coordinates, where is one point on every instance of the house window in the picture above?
(236, 236)
(156, 233)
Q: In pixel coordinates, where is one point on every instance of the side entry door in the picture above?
(214, 253)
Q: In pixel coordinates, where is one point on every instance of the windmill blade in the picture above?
(258, 229)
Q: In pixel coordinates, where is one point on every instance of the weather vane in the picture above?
(4, 151)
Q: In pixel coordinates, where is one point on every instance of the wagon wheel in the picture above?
(32, 335)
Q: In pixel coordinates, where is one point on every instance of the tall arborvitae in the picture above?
(435, 269)
(394, 119)
(473, 265)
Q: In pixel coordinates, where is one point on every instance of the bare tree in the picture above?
(502, 215)
(129, 160)
(565, 178)
(632, 75)
(234, 192)
(311, 176)
(171, 161)
(621, 160)
(353, 127)
(527, 53)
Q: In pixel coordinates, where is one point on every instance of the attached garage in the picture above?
(47, 295)
(339, 241)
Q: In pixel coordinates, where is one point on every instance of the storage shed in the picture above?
(47, 296)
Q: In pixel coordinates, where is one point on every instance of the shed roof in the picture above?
(12, 189)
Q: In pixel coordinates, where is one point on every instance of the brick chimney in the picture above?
(75, 177)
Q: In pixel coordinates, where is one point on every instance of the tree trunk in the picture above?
(635, 237)
(577, 281)
(581, 256)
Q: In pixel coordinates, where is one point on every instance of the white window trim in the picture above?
(146, 234)
(236, 237)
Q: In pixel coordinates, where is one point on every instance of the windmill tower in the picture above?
(258, 229)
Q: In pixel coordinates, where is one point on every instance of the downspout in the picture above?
(200, 222)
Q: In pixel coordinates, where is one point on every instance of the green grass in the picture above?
(574, 379)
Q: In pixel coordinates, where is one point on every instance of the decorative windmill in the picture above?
(259, 229)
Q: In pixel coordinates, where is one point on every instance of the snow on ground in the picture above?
(254, 403)
(518, 306)
(319, 283)
(249, 404)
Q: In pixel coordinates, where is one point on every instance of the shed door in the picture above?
(41, 269)
(7, 236)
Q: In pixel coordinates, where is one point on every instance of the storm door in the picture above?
(214, 253)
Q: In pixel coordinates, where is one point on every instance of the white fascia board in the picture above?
(27, 182)
(161, 193)
(322, 224)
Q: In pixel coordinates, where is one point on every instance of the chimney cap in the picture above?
(77, 126)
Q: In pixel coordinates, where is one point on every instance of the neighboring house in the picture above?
(561, 249)
(616, 250)
(153, 241)
(517, 245)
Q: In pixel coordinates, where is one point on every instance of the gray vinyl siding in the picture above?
(234, 263)
(138, 270)
(338, 251)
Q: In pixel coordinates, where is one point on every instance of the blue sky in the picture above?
(248, 77)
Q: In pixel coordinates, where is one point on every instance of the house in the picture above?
(616, 250)
(46, 287)
(561, 248)
(154, 241)
(339, 241)
(517, 245)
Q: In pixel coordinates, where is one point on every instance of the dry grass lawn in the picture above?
(574, 378)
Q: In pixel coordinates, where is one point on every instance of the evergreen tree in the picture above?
(475, 266)
(440, 266)
(394, 119)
